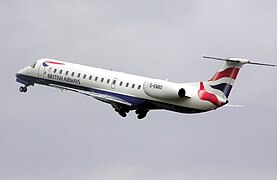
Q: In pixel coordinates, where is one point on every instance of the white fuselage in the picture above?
(117, 88)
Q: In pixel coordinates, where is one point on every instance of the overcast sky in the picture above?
(47, 134)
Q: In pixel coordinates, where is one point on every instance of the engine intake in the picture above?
(182, 93)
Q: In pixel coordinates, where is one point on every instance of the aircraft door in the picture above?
(114, 83)
(41, 71)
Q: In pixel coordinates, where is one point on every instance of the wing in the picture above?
(101, 97)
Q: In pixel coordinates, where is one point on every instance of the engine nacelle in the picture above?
(163, 89)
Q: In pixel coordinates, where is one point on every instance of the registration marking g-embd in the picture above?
(156, 86)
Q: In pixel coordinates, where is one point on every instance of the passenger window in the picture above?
(102, 79)
(121, 83)
(55, 70)
(90, 77)
(133, 86)
(139, 86)
(108, 81)
(84, 77)
(61, 71)
(127, 84)
(79, 74)
(66, 73)
(95, 79)
(72, 74)
(114, 81)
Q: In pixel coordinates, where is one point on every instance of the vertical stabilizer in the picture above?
(223, 80)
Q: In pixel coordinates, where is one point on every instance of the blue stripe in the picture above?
(44, 64)
(223, 87)
(22, 81)
(26, 79)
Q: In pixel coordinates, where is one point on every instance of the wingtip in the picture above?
(263, 64)
(240, 60)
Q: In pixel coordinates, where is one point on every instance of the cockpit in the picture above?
(33, 65)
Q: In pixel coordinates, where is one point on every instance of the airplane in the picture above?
(126, 92)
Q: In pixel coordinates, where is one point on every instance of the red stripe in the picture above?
(206, 96)
(53, 62)
(229, 72)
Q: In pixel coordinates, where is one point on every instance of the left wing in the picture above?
(101, 97)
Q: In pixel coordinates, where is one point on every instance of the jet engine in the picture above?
(163, 89)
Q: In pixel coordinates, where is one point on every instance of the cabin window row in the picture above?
(72, 74)
(96, 79)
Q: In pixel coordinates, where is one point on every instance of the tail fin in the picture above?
(224, 79)
(222, 82)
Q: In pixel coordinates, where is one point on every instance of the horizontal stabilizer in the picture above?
(239, 60)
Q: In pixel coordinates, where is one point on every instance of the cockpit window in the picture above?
(33, 65)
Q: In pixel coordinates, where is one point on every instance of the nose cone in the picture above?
(23, 71)
(21, 76)
(20, 72)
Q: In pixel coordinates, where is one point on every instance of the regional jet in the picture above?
(126, 92)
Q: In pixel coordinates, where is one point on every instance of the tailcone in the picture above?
(222, 101)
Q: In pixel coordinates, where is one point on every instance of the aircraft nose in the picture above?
(19, 72)
(22, 71)
(21, 76)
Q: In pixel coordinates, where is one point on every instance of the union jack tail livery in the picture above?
(223, 81)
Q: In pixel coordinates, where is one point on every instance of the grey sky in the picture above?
(46, 134)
